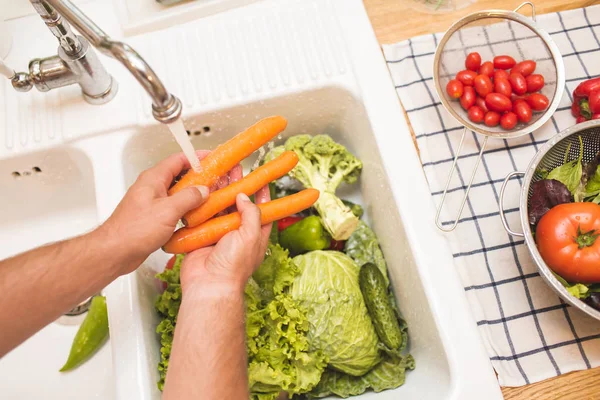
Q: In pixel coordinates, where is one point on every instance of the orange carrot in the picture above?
(250, 184)
(185, 240)
(226, 156)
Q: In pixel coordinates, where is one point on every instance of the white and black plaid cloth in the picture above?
(529, 332)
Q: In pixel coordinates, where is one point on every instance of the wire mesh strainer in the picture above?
(550, 156)
(492, 33)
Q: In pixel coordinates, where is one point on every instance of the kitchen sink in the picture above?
(49, 196)
(315, 62)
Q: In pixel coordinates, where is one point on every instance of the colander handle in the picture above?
(438, 223)
(527, 3)
(501, 208)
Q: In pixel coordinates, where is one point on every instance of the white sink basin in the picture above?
(318, 64)
(49, 196)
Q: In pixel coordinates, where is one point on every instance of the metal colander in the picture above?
(492, 33)
(550, 156)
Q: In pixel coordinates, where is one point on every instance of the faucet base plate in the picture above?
(104, 97)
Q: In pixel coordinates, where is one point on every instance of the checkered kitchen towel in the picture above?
(529, 332)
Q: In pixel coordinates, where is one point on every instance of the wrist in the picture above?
(115, 250)
(213, 290)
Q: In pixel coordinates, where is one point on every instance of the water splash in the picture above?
(178, 131)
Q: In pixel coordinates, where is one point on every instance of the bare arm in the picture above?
(208, 359)
(38, 286)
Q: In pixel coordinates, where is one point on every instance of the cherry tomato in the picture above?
(487, 68)
(524, 68)
(535, 83)
(480, 102)
(502, 86)
(508, 121)
(580, 119)
(335, 245)
(468, 98)
(518, 83)
(454, 88)
(476, 114)
(504, 62)
(483, 85)
(500, 74)
(566, 240)
(466, 77)
(596, 116)
(473, 61)
(498, 102)
(287, 221)
(491, 119)
(523, 111)
(537, 101)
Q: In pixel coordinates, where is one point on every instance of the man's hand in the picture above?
(146, 217)
(235, 257)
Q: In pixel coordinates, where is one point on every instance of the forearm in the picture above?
(208, 359)
(39, 286)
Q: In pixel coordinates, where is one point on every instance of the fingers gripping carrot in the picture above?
(250, 184)
(210, 232)
(226, 156)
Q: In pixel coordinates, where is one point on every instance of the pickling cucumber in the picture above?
(374, 291)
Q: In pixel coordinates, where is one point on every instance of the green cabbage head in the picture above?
(340, 326)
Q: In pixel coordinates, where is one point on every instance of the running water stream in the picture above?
(181, 136)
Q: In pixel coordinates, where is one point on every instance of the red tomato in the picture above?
(518, 83)
(566, 240)
(523, 111)
(487, 68)
(468, 98)
(491, 119)
(335, 245)
(473, 61)
(508, 121)
(524, 68)
(504, 62)
(581, 119)
(466, 77)
(480, 102)
(498, 102)
(502, 86)
(454, 88)
(596, 116)
(483, 85)
(287, 221)
(537, 101)
(500, 74)
(535, 83)
(476, 114)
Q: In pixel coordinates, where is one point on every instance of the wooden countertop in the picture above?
(395, 20)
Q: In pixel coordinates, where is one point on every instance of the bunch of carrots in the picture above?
(200, 230)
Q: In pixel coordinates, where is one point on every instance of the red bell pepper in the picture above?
(287, 221)
(586, 99)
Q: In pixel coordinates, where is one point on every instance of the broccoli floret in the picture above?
(323, 165)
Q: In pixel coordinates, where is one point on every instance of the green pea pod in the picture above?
(92, 333)
(305, 235)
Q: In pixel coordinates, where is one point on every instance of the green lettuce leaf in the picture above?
(363, 247)
(578, 290)
(167, 305)
(340, 325)
(277, 271)
(388, 374)
(279, 354)
(570, 172)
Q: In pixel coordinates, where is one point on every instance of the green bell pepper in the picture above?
(306, 235)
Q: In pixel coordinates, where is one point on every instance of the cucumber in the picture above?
(374, 291)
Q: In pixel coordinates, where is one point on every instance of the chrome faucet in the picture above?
(77, 63)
